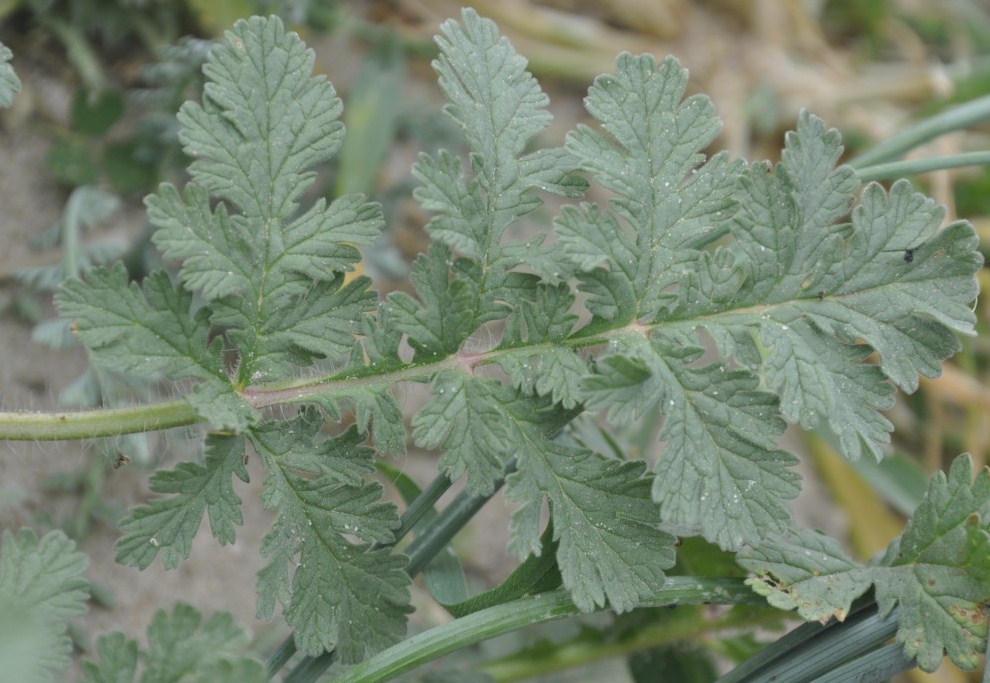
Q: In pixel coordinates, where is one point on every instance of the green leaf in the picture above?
(807, 571)
(183, 642)
(907, 311)
(168, 525)
(342, 595)
(322, 325)
(375, 410)
(721, 473)
(215, 250)
(442, 319)
(259, 84)
(937, 573)
(499, 107)
(181, 646)
(93, 113)
(41, 587)
(10, 84)
(537, 573)
(834, 283)
(445, 193)
(939, 576)
(271, 271)
(542, 365)
(467, 419)
(652, 161)
(610, 546)
(722, 470)
(554, 371)
(815, 378)
(116, 660)
(491, 96)
(153, 329)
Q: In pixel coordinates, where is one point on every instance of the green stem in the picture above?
(423, 504)
(51, 427)
(447, 524)
(511, 616)
(21, 426)
(89, 424)
(956, 118)
(899, 169)
(79, 52)
(583, 650)
(283, 653)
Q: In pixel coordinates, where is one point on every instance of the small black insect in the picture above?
(907, 253)
(821, 295)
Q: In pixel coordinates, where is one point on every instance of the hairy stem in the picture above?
(18, 426)
(88, 424)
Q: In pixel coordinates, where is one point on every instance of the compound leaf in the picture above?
(810, 286)
(888, 278)
(116, 660)
(610, 547)
(343, 595)
(151, 329)
(168, 525)
(937, 573)
(181, 646)
(271, 271)
(467, 419)
(441, 320)
(721, 473)
(41, 587)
